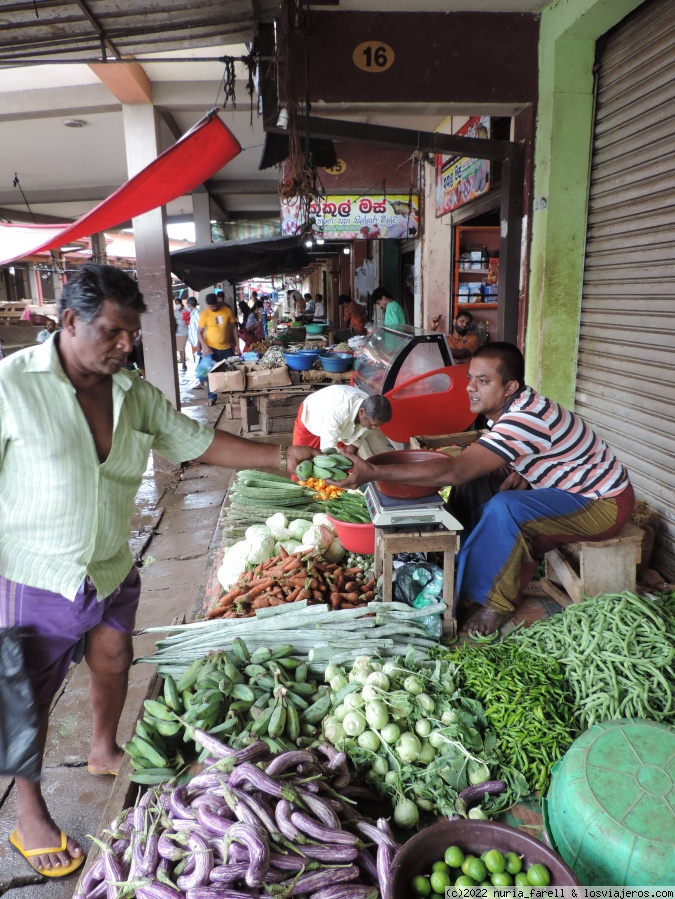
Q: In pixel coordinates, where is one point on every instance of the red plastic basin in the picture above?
(357, 538)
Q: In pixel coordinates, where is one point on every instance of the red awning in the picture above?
(191, 161)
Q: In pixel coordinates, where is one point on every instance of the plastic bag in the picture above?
(20, 754)
(420, 584)
(204, 366)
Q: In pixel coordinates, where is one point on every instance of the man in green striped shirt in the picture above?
(73, 419)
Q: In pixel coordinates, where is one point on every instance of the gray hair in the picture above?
(86, 292)
(378, 408)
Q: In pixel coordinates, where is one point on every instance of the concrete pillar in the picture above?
(433, 261)
(141, 132)
(201, 213)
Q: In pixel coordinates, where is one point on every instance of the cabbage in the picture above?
(277, 525)
(234, 564)
(318, 535)
(256, 531)
(298, 528)
(322, 519)
(291, 546)
(260, 549)
(335, 551)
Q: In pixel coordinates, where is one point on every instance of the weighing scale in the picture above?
(387, 512)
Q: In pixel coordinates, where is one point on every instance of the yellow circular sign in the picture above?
(337, 169)
(373, 56)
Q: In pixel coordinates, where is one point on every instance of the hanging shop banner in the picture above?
(458, 178)
(344, 217)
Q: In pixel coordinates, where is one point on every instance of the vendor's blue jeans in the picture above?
(218, 356)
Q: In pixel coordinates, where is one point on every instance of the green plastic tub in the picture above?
(610, 809)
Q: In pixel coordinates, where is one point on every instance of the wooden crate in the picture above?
(574, 571)
(281, 404)
(276, 425)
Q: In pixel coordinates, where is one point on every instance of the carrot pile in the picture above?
(321, 489)
(289, 577)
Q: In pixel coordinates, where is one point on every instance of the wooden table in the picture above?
(389, 541)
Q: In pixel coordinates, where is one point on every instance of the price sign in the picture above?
(337, 169)
(373, 56)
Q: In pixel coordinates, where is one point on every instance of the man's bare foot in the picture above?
(100, 762)
(485, 621)
(42, 833)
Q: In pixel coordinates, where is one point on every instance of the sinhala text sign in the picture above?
(343, 217)
(460, 179)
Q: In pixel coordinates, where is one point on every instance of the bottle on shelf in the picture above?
(487, 332)
(480, 332)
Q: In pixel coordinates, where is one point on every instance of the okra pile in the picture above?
(247, 827)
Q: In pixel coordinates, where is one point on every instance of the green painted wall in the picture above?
(568, 33)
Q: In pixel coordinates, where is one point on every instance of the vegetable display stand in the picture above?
(388, 542)
(590, 568)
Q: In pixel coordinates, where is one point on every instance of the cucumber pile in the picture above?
(330, 466)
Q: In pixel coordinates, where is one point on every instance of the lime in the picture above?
(521, 879)
(476, 869)
(514, 863)
(440, 866)
(440, 881)
(437, 896)
(421, 886)
(501, 879)
(454, 856)
(467, 860)
(465, 881)
(495, 861)
(538, 876)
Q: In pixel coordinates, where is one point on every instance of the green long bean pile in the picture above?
(527, 705)
(617, 652)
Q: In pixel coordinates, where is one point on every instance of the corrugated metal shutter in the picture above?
(626, 366)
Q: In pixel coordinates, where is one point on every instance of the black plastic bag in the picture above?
(420, 584)
(20, 754)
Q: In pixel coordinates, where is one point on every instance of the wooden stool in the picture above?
(389, 542)
(589, 568)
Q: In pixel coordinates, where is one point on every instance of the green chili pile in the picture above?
(528, 705)
(617, 653)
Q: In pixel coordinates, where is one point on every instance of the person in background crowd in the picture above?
(309, 304)
(193, 328)
(254, 329)
(319, 307)
(218, 333)
(47, 331)
(461, 340)
(339, 416)
(393, 311)
(244, 312)
(67, 574)
(354, 318)
(299, 303)
(562, 484)
(181, 331)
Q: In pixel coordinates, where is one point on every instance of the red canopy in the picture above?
(193, 159)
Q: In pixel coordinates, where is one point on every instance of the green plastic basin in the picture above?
(610, 809)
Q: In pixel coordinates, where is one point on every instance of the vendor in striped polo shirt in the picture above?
(67, 576)
(562, 484)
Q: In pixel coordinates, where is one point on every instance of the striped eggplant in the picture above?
(344, 891)
(317, 880)
(368, 865)
(320, 831)
(334, 855)
(285, 760)
(376, 834)
(282, 814)
(254, 839)
(212, 822)
(318, 807)
(385, 857)
(157, 890)
(203, 858)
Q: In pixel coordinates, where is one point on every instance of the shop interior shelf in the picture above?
(481, 305)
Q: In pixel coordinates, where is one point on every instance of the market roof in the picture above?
(238, 260)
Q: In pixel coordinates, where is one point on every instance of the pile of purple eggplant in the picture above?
(251, 825)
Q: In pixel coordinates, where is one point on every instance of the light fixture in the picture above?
(74, 123)
(282, 121)
(320, 240)
(308, 243)
(346, 251)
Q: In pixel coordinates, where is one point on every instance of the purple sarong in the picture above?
(53, 626)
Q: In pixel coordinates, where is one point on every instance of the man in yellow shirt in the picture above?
(217, 332)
